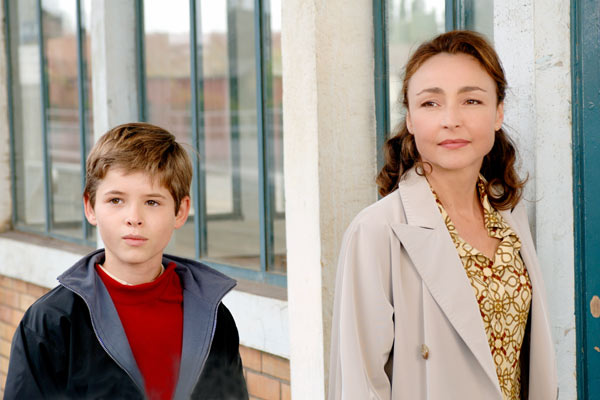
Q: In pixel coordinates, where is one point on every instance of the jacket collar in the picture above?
(430, 247)
(203, 287)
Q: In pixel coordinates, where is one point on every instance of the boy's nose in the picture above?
(134, 221)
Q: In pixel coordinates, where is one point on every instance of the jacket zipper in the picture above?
(102, 343)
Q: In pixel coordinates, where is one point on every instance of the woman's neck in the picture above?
(457, 191)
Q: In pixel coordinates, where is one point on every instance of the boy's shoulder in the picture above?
(53, 311)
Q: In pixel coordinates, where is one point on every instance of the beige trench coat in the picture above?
(406, 324)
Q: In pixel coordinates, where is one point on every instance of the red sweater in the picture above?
(152, 316)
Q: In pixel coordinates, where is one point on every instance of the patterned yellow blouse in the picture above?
(503, 291)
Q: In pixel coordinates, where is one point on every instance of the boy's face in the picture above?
(135, 217)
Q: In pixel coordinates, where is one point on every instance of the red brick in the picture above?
(6, 331)
(5, 314)
(9, 298)
(263, 387)
(276, 366)
(19, 286)
(16, 317)
(5, 348)
(286, 392)
(251, 358)
(4, 281)
(26, 300)
(36, 291)
(4, 365)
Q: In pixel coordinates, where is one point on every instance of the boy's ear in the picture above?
(88, 208)
(184, 211)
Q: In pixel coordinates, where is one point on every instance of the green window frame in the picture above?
(86, 234)
(268, 213)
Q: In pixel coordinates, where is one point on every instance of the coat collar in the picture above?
(203, 290)
(428, 244)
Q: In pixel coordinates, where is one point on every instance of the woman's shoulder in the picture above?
(381, 214)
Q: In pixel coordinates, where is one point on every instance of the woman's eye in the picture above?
(429, 104)
(115, 201)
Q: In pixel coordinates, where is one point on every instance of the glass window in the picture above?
(51, 113)
(167, 86)
(409, 23)
(400, 25)
(480, 17)
(220, 92)
(27, 110)
(210, 74)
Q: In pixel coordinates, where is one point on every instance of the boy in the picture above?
(127, 321)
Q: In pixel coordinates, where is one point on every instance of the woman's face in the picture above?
(453, 112)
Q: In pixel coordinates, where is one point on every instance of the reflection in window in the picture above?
(49, 96)
(62, 115)
(27, 123)
(409, 22)
(168, 95)
(225, 224)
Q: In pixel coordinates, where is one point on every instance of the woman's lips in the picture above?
(454, 144)
(134, 240)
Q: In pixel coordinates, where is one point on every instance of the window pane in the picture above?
(26, 97)
(168, 93)
(230, 129)
(409, 23)
(86, 25)
(482, 18)
(274, 131)
(60, 41)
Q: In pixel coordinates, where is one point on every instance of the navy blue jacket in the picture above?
(71, 344)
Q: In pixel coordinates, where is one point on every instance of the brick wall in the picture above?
(268, 376)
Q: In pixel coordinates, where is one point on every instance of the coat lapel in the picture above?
(430, 247)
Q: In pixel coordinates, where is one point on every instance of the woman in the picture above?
(439, 294)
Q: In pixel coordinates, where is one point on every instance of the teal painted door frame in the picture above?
(585, 56)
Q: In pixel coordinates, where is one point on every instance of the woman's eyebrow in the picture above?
(435, 90)
(465, 89)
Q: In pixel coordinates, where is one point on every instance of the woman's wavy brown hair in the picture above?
(504, 186)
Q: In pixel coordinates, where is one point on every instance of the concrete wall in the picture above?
(532, 38)
(330, 163)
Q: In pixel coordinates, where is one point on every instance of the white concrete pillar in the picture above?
(114, 79)
(554, 180)
(5, 171)
(532, 38)
(330, 163)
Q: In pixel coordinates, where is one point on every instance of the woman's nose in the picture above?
(451, 117)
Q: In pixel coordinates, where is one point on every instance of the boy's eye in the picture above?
(473, 101)
(153, 203)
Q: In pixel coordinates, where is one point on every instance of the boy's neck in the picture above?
(132, 274)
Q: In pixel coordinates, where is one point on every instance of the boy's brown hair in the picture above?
(140, 147)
